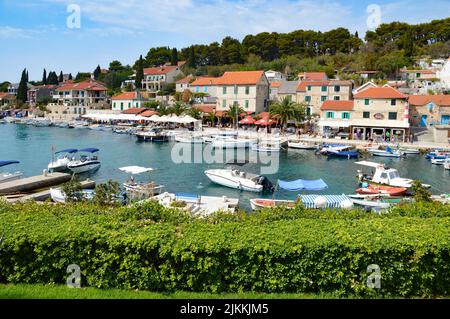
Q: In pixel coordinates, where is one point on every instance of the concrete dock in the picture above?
(44, 195)
(30, 184)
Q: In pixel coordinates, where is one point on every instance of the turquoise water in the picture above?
(32, 146)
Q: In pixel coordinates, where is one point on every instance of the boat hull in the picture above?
(301, 146)
(9, 177)
(236, 183)
(79, 168)
(385, 190)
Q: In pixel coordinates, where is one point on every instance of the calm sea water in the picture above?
(32, 146)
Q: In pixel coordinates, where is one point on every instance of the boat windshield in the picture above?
(394, 174)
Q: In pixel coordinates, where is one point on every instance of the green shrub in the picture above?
(149, 247)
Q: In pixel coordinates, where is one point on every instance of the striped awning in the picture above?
(333, 201)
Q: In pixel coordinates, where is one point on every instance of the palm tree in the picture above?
(287, 110)
(212, 118)
(234, 111)
(194, 112)
(163, 110)
(178, 108)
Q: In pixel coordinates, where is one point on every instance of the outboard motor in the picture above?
(267, 184)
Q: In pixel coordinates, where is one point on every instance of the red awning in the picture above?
(265, 122)
(247, 120)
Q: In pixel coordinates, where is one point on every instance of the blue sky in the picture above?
(34, 34)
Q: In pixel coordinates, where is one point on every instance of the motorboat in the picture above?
(438, 160)
(439, 154)
(189, 139)
(123, 130)
(58, 195)
(241, 180)
(9, 177)
(197, 205)
(343, 154)
(309, 201)
(447, 163)
(326, 148)
(377, 201)
(409, 151)
(100, 127)
(154, 135)
(384, 176)
(60, 164)
(387, 153)
(2, 121)
(370, 189)
(41, 122)
(231, 142)
(268, 146)
(86, 163)
(302, 145)
(140, 190)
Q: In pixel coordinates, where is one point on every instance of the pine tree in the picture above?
(70, 77)
(191, 61)
(139, 73)
(52, 78)
(97, 72)
(174, 58)
(61, 77)
(22, 90)
(28, 80)
(44, 77)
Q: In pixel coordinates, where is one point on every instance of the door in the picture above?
(423, 121)
(445, 119)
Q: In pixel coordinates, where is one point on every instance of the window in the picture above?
(197, 89)
(308, 87)
(235, 89)
(114, 105)
(307, 99)
(417, 75)
(323, 98)
(346, 115)
(121, 106)
(366, 115)
(393, 102)
(246, 104)
(289, 97)
(224, 104)
(392, 115)
(337, 98)
(205, 89)
(247, 90)
(384, 175)
(324, 88)
(330, 115)
(224, 90)
(337, 88)
(366, 101)
(129, 105)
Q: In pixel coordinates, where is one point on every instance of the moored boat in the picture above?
(377, 202)
(140, 190)
(371, 189)
(7, 176)
(86, 163)
(60, 164)
(447, 163)
(58, 195)
(302, 145)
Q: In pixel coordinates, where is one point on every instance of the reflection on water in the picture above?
(33, 147)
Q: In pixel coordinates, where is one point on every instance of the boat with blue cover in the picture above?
(389, 152)
(344, 154)
(86, 163)
(64, 157)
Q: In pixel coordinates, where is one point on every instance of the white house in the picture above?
(127, 100)
(156, 78)
(444, 75)
(275, 76)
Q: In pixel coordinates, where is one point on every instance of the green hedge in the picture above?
(152, 248)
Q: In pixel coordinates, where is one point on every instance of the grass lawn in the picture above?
(63, 292)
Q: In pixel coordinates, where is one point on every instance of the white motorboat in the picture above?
(387, 153)
(302, 145)
(267, 146)
(234, 178)
(226, 142)
(334, 148)
(447, 163)
(375, 201)
(86, 163)
(60, 164)
(409, 151)
(7, 176)
(58, 195)
(154, 135)
(384, 176)
(100, 127)
(189, 139)
(140, 190)
(2, 121)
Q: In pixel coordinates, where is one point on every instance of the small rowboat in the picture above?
(378, 201)
(380, 189)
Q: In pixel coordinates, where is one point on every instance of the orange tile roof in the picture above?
(333, 105)
(159, 70)
(3, 94)
(380, 93)
(88, 85)
(418, 71)
(149, 113)
(125, 96)
(204, 81)
(208, 109)
(240, 78)
(420, 100)
(135, 110)
(314, 76)
(185, 80)
(302, 85)
(275, 84)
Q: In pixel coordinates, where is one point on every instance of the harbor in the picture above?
(34, 147)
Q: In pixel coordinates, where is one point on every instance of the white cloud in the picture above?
(7, 32)
(214, 19)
